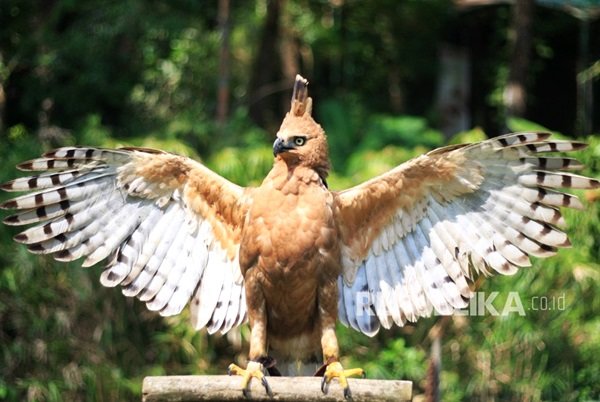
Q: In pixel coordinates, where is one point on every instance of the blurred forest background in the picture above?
(212, 79)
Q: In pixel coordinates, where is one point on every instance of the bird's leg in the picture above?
(332, 367)
(253, 369)
(258, 360)
(335, 370)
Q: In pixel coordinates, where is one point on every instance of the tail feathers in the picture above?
(292, 368)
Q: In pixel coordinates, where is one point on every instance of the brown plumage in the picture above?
(290, 255)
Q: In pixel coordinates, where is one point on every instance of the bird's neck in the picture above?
(283, 174)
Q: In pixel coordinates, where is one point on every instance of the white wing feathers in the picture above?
(424, 254)
(354, 308)
(99, 204)
(411, 240)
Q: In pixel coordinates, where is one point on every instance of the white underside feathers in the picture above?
(155, 247)
(422, 259)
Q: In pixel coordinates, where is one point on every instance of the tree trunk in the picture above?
(515, 93)
(2, 106)
(265, 76)
(585, 100)
(288, 52)
(224, 63)
(432, 391)
(454, 90)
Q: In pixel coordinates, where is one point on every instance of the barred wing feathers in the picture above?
(412, 238)
(168, 226)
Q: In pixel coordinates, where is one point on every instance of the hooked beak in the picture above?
(280, 146)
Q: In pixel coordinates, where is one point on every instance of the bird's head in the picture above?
(300, 140)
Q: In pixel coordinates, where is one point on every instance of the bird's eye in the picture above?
(299, 141)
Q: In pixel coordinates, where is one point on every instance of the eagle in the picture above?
(292, 257)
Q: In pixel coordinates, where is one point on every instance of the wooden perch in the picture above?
(290, 389)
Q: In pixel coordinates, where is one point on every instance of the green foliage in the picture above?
(516, 124)
(145, 73)
(365, 164)
(377, 142)
(343, 121)
(473, 135)
(243, 165)
(384, 356)
(398, 360)
(406, 131)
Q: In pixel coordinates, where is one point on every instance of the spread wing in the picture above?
(168, 226)
(412, 237)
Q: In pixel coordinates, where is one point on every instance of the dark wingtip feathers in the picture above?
(7, 186)
(10, 204)
(35, 248)
(543, 135)
(11, 220)
(49, 154)
(20, 238)
(579, 145)
(25, 166)
(63, 255)
(566, 244)
(547, 248)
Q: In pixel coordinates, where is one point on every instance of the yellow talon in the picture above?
(254, 369)
(335, 370)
